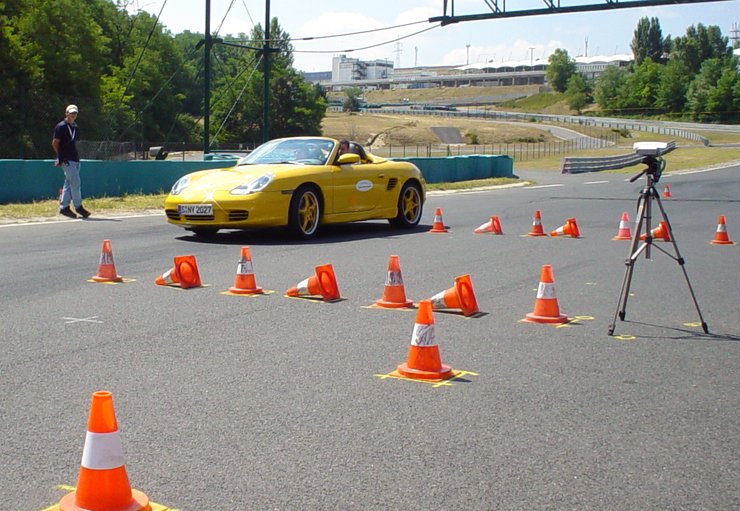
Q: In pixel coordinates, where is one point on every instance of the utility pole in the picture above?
(207, 81)
(467, 54)
(266, 84)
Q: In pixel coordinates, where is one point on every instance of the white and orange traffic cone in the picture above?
(460, 296)
(493, 226)
(624, 232)
(659, 233)
(438, 225)
(546, 308)
(667, 191)
(537, 225)
(570, 228)
(394, 293)
(424, 361)
(323, 283)
(184, 273)
(244, 282)
(103, 483)
(721, 237)
(168, 278)
(106, 266)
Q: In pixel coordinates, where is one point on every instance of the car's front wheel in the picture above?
(409, 207)
(305, 212)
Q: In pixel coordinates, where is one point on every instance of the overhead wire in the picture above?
(350, 50)
(236, 101)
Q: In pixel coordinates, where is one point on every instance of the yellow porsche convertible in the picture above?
(300, 183)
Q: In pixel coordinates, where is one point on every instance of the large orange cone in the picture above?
(459, 296)
(245, 283)
(667, 191)
(103, 483)
(721, 237)
(570, 228)
(438, 225)
(659, 233)
(537, 225)
(624, 232)
(394, 294)
(323, 283)
(423, 361)
(186, 270)
(167, 278)
(546, 309)
(493, 226)
(106, 266)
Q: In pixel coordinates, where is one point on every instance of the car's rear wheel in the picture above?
(409, 207)
(204, 232)
(305, 212)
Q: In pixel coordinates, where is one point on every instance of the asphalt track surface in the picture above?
(229, 403)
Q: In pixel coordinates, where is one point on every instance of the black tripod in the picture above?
(655, 166)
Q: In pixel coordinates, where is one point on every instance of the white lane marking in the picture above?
(595, 182)
(54, 221)
(91, 319)
(545, 186)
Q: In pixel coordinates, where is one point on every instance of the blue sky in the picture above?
(601, 33)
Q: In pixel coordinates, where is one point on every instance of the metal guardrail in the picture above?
(579, 164)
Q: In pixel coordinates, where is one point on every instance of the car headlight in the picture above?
(257, 185)
(180, 185)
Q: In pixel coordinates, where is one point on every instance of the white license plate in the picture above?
(195, 209)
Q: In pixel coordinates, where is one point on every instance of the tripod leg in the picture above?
(681, 263)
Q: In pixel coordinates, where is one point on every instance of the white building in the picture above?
(344, 69)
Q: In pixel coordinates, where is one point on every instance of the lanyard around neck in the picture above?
(71, 132)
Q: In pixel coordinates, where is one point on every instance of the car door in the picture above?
(358, 187)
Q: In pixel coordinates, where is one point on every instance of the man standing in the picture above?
(65, 136)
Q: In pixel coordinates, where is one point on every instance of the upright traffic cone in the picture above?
(186, 271)
(394, 294)
(438, 225)
(245, 283)
(624, 232)
(537, 225)
(167, 278)
(106, 266)
(323, 283)
(570, 228)
(721, 237)
(103, 483)
(459, 296)
(667, 191)
(659, 233)
(424, 361)
(546, 309)
(493, 226)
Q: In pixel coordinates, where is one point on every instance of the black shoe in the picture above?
(82, 211)
(67, 212)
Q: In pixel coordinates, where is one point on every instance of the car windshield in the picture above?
(299, 151)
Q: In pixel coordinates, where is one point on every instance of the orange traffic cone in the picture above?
(667, 191)
(570, 228)
(624, 232)
(493, 226)
(106, 266)
(546, 309)
(659, 233)
(423, 361)
(537, 225)
(721, 237)
(459, 296)
(323, 283)
(394, 294)
(244, 283)
(167, 278)
(438, 225)
(184, 273)
(103, 483)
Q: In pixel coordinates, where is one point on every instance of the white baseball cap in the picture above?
(71, 109)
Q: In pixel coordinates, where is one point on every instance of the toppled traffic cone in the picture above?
(323, 283)
(394, 293)
(659, 233)
(106, 266)
(667, 191)
(244, 282)
(459, 296)
(167, 278)
(423, 361)
(184, 273)
(624, 232)
(537, 225)
(103, 483)
(546, 308)
(570, 228)
(438, 225)
(721, 237)
(493, 226)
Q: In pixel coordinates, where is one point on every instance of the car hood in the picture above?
(231, 177)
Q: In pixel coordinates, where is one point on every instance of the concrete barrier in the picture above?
(463, 168)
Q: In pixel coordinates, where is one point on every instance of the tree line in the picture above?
(690, 77)
(132, 79)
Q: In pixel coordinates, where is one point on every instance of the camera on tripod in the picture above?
(652, 153)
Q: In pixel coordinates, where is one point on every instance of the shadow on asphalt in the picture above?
(683, 333)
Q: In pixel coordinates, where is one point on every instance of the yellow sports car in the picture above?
(301, 183)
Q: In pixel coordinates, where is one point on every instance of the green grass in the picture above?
(103, 205)
(477, 183)
(536, 103)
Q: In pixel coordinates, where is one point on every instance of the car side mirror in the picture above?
(348, 158)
